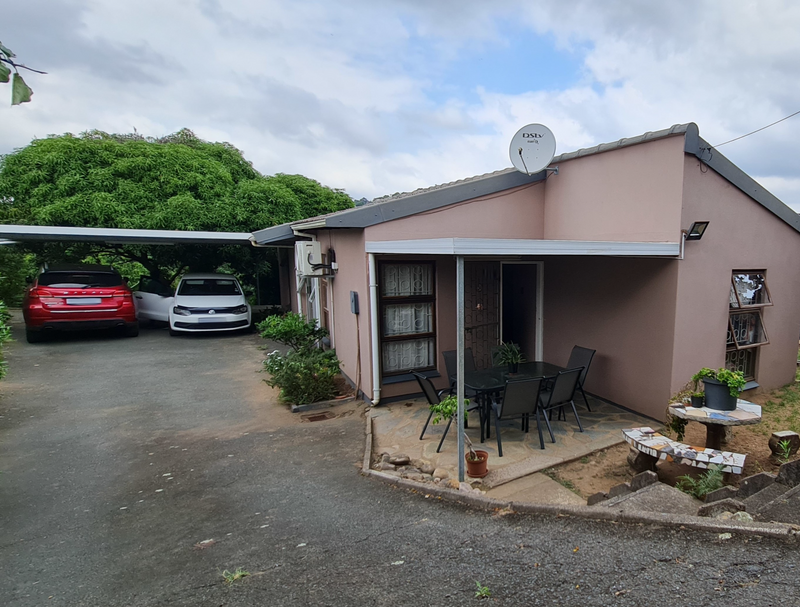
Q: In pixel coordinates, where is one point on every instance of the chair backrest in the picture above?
(564, 387)
(521, 396)
(581, 357)
(427, 388)
(495, 354)
(451, 361)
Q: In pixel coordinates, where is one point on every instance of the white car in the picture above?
(202, 302)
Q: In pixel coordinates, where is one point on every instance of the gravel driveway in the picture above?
(121, 457)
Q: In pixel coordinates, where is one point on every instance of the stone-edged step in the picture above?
(759, 500)
(785, 508)
(657, 497)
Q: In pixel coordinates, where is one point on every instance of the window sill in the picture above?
(399, 379)
(751, 385)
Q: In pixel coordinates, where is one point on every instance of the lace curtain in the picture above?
(407, 280)
(412, 354)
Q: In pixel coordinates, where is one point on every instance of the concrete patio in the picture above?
(396, 428)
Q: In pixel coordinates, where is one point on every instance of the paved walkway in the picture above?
(397, 427)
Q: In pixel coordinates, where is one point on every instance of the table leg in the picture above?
(714, 436)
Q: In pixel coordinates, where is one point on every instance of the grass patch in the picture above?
(231, 577)
(553, 473)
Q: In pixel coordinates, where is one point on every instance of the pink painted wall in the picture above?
(742, 235)
(515, 213)
(624, 309)
(629, 194)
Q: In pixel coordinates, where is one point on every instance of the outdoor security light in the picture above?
(697, 230)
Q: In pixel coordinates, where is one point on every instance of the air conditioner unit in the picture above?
(308, 258)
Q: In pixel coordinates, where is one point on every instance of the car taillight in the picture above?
(34, 293)
(120, 293)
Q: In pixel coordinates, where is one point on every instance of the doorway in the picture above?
(521, 318)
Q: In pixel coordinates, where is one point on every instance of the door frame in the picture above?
(539, 320)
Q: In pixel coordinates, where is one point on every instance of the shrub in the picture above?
(709, 481)
(304, 376)
(5, 336)
(292, 330)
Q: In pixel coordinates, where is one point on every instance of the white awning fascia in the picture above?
(20, 233)
(512, 246)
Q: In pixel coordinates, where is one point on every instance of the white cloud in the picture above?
(355, 94)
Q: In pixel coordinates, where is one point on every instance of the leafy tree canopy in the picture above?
(178, 182)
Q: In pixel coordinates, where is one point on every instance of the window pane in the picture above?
(407, 355)
(407, 319)
(407, 280)
(742, 360)
(748, 329)
(751, 288)
(734, 303)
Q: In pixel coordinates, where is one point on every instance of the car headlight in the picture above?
(180, 310)
(240, 310)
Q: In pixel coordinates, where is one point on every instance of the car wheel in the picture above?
(33, 337)
(173, 332)
(132, 330)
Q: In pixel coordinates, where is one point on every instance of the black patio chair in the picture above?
(581, 357)
(520, 399)
(434, 398)
(559, 396)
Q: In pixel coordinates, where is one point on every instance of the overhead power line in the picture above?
(757, 130)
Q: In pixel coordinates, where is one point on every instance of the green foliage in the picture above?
(231, 576)
(447, 408)
(303, 376)
(15, 266)
(482, 592)
(677, 425)
(292, 330)
(733, 379)
(20, 92)
(5, 336)
(709, 481)
(510, 354)
(785, 450)
(177, 182)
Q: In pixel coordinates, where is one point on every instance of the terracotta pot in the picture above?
(478, 468)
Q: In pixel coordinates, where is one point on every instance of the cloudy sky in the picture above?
(388, 96)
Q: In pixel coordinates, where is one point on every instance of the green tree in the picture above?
(177, 182)
(5, 336)
(20, 92)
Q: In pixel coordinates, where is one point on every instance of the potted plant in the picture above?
(477, 460)
(510, 354)
(698, 399)
(721, 387)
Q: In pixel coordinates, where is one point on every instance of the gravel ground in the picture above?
(94, 426)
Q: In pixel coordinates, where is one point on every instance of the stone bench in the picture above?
(656, 445)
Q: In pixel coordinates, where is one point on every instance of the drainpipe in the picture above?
(373, 321)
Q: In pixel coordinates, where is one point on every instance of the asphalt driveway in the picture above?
(120, 457)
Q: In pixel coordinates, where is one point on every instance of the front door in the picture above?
(520, 319)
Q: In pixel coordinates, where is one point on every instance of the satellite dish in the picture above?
(532, 148)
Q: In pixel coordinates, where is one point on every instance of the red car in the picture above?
(69, 298)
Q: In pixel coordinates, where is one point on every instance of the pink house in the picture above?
(595, 255)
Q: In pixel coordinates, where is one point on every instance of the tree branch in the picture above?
(19, 65)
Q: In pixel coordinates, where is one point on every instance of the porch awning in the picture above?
(25, 233)
(490, 246)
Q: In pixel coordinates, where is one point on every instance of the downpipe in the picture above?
(373, 321)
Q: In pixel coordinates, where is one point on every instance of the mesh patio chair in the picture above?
(581, 357)
(520, 400)
(559, 396)
(434, 398)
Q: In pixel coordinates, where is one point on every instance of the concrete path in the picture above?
(121, 457)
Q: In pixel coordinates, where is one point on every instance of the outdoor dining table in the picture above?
(486, 382)
(716, 421)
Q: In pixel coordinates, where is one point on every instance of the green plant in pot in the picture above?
(477, 460)
(510, 354)
(722, 387)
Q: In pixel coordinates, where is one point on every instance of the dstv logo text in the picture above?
(532, 135)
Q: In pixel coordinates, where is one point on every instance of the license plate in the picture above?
(84, 301)
(208, 319)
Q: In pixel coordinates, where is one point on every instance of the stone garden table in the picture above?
(715, 421)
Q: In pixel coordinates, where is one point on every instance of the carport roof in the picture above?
(24, 233)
